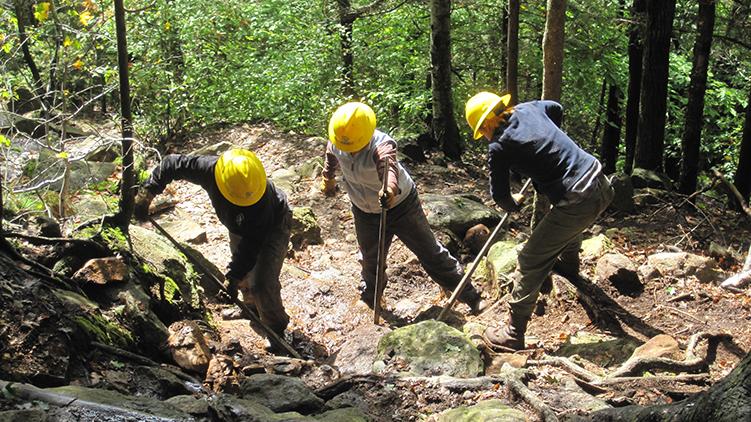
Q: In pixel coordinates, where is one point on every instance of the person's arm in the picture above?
(330, 163)
(500, 188)
(554, 111)
(387, 151)
(243, 258)
(198, 169)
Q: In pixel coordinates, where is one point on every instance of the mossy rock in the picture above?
(104, 331)
(346, 414)
(305, 229)
(430, 348)
(146, 406)
(485, 411)
(502, 258)
(596, 246)
(457, 212)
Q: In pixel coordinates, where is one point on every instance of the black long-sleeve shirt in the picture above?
(252, 223)
(531, 144)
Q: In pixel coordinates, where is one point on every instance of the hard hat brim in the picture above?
(506, 99)
(227, 194)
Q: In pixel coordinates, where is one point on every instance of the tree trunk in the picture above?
(346, 22)
(654, 85)
(612, 133)
(635, 55)
(552, 78)
(445, 129)
(695, 110)
(21, 21)
(728, 400)
(128, 183)
(743, 174)
(503, 42)
(600, 107)
(512, 62)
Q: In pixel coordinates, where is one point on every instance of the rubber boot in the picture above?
(509, 337)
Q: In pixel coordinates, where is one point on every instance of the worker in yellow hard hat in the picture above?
(526, 139)
(361, 151)
(254, 211)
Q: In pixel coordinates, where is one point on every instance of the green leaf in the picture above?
(4, 141)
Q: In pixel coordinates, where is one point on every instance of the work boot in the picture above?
(509, 337)
(472, 298)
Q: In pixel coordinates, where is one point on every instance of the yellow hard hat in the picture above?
(240, 177)
(479, 107)
(351, 126)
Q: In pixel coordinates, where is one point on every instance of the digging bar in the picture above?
(247, 311)
(381, 265)
(473, 267)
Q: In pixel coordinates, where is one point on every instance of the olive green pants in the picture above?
(557, 237)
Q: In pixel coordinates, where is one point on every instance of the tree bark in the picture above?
(654, 85)
(612, 133)
(552, 78)
(742, 180)
(600, 107)
(445, 129)
(635, 55)
(21, 22)
(128, 182)
(728, 400)
(512, 61)
(346, 22)
(691, 139)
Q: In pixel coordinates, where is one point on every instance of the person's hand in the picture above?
(232, 284)
(143, 202)
(518, 198)
(328, 186)
(387, 198)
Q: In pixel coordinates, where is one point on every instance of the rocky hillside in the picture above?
(127, 327)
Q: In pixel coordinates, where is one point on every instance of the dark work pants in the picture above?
(408, 222)
(557, 237)
(260, 288)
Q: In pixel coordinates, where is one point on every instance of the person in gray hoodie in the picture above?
(361, 152)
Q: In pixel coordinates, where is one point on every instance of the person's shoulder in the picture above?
(381, 137)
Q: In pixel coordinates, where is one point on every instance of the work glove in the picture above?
(143, 202)
(232, 284)
(387, 198)
(328, 186)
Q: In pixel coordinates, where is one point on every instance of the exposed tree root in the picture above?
(143, 360)
(691, 363)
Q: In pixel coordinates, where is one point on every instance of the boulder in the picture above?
(87, 206)
(357, 354)
(192, 405)
(599, 349)
(181, 282)
(620, 271)
(457, 212)
(484, 411)
(285, 179)
(305, 228)
(623, 200)
(222, 375)
(642, 178)
(595, 246)
(659, 346)
(684, 264)
(181, 226)
(476, 237)
(647, 273)
(280, 393)
(146, 406)
(429, 348)
(502, 258)
(311, 168)
(346, 414)
(188, 347)
(227, 407)
(103, 271)
(136, 310)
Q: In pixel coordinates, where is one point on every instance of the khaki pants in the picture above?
(260, 287)
(557, 237)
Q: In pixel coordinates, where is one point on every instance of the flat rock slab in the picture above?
(103, 271)
(599, 349)
(280, 393)
(180, 226)
(659, 346)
